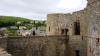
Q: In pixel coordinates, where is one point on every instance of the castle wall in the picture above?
(89, 22)
(56, 22)
(48, 46)
(94, 29)
(78, 43)
(38, 46)
(3, 43)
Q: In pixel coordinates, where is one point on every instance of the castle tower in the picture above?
(82, 23)
(76, 23)
(62, 24)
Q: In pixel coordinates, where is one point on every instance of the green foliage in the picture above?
(6, 21)
(40, 23)
(29, 27)
(12, 21)
(11, 32)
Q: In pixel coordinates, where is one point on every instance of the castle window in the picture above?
(64, 31)
(77, 53)
(77, 28)
(97, 41)
(49, 28)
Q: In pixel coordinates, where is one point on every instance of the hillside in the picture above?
(6, 21)
(10, 20)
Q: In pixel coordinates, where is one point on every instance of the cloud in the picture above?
(35, 9)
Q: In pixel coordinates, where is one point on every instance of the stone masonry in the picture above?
(38, 46)
(85, 22)
(76, 34)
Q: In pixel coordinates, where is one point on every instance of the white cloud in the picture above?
(38, 9)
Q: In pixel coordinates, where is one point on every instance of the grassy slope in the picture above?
(9, 20)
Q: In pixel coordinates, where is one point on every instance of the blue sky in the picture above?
(38, 9)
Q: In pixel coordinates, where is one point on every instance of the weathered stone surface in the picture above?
(38, 46)
(89, 19)
(3, 42)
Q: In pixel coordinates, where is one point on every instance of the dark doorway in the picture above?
(77, 53)
(77, 28)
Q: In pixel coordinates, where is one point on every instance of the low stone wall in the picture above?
(51, 45)
(3, 42)
(38, 46)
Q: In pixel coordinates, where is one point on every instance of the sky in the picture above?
(38, 9)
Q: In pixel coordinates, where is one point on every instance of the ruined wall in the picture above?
(93, 47)
(38, 46)
(78, 43)
(93, 12)
(89, 21)
(48, 46)
(3, 43)
(56, 22)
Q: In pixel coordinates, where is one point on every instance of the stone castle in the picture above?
(86, 20)
(76, 34)
(82, 23)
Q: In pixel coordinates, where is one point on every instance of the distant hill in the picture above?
(6, 21)
(10, 20)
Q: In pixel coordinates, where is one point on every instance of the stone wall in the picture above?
(78, 43)
(38, 46)
(93, 47)
(57, 22)
(47, 46)
(51, 46)
(3, 42)
(89, 23)
(93, 12)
